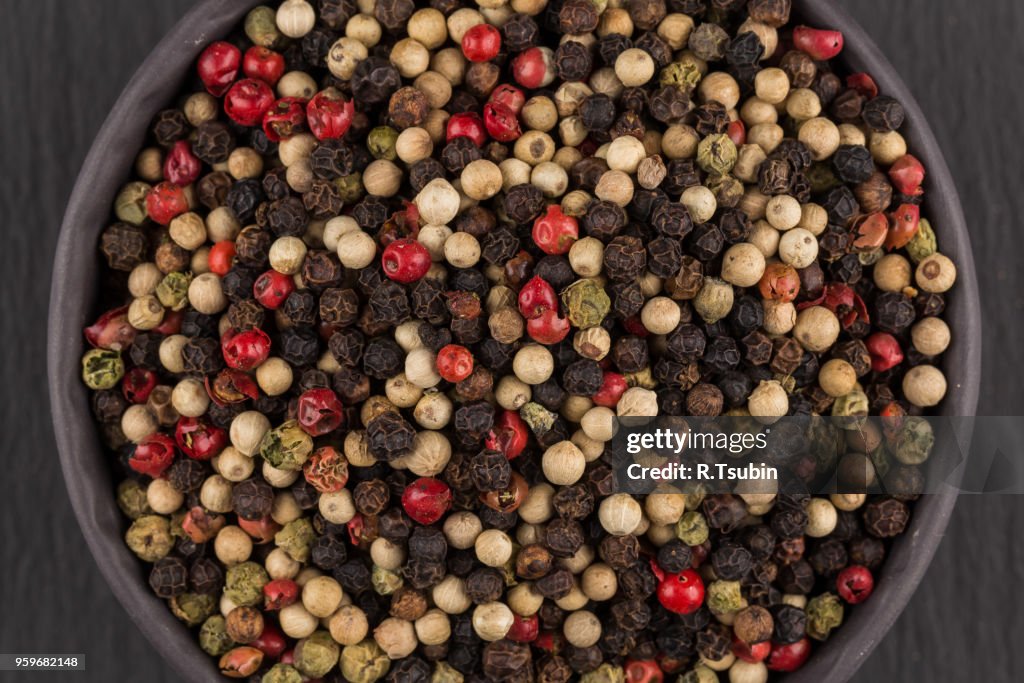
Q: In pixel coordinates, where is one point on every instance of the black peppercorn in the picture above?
(883, 114)
(169, 577)
(573, 61)
(597, 112)
(520, 32)
(124, 245)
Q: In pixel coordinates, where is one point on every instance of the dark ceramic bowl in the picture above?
(86, 465)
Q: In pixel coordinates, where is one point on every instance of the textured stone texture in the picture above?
(65, 63)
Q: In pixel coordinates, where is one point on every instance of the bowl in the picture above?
(76, 277)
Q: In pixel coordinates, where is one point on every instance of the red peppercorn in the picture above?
(288, 657)
(466, 125)
(855, 584)
(329, 116)
(737, 132)
(137, 384)
(262, 530)
(285, 118)
(247, 101)
(271, 642)
(682, 593)
(326, 470)
(864, 84)
(548, 327)
(171, 323)
(843, 301)
(426, 500)
(524, 629)
(509, 434)
(501, 122)
(165, 202)
(780, 282)
(454, 363)
(554, 232)
(905, 222)
(787, 658)
(218, 66)
(481, 43)
(222, 257)
(263, 64)
(111, 330)
(153, 455)
(643, 671)
(757, 652)
(537, 296)
(870, 231)
(231, 386)
(245, 350)
(534, 68)
(907, 175)
(635, 326)
(356, 528)
(272, 288)
(201, 525)
(510, 96)
(181, 166)
(279, 593)
(821, 44)
(612, 389)
(885, 351)
(405, 260)
(198, 439)
(319, 411)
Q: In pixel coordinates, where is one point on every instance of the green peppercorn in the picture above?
(364, 662)
(213, 636)
(724, 597)
(173, 290)
(149, 537)
(381, 143)
(913, 443)
(923, 243)
(446, 673)
(824, 613)
(717, 154)
(692, 528)
(316, 655)
(853, 405)
(296, 538)
(193, 608)
(699, 674)
(822, 178)
(880, 460)
(102, 369)
(350, 187)
(714, 300)
(130, 203)
(282, 673)
(286, 447)
(685, 75)
(586, 302)
(539, 418)
(131, 498)
(385, 581)
(261, 27)
(243, 584)
(606, 673)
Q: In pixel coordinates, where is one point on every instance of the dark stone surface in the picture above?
(65, 63)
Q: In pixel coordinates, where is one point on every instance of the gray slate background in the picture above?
(63, 63)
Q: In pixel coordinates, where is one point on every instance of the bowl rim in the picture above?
(73, 289)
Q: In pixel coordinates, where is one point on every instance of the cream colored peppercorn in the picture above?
(637, 402)
(765, 238)
(616, 187)
(582, 629)
(434, 410)
(803, 104)
(563, 463)
(145, 313)
(660, 315)
(481, 179)
(634, 67)
(215, 494)
(221, 225)
(892, 273)
(772, 85)
(382, 178)
(247, 431)
(462, 250)
(492, 620)
(281, 479)
(742, 265)
(356, 249)
(296, 148)
(848, 502)
(144, 279)
(783, 212)
(664, 508)
(512, 393)
(714, 300)
(187, 231)
(887, 148)
(626, 152)
(297, 84)
(700, 202)
(232, 545)
(201, 107)
(420, 368)
(575, 600)
(295, 18)
(337, 507)
(779, 316)
(438, 202)
(821, 518)
(245, 162)
(821, 137)
(533, 147)
(190, 398)
(720, 87)
(387, 555)
(410, 57)
(766, 135)
(349, 625)
(206, 295)
(924, 386)
(287, 254)
(462, 529)
(533, 364)
(599, 582)
(539, 113)
(837, 377)
(232, 465)
(523, 599)
(137, 423)
(798, 248)
(813, 218)
(930, 336)
(741, 671)
(550, 178)
(593, 343)
(450, 595)
(163, 498)
(537, 507)
(935, 274)
(620, 514)
(401, 391)
(274, 376)
(450, 63)
(768, 402)
(493, 547)
(438, 90)
(170, 353)
(414, 144)
(817, 329)
(433, 628)
(428, 26)
(434, 238)
(280, 565)
(598, 423)
(296, 621)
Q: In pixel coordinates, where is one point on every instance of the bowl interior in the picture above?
(85, 464)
